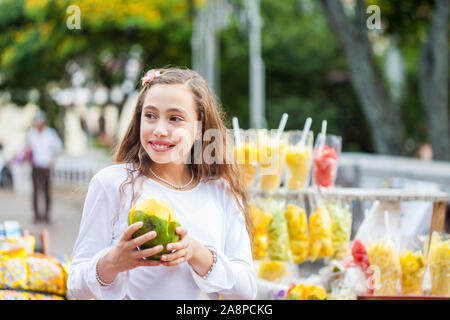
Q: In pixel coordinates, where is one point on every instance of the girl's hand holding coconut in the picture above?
(124, 255)
(188, 250)
(180, 251)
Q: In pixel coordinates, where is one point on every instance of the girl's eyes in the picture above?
(176, 119)
(150, 116)
(172, 118)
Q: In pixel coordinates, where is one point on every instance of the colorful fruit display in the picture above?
(325, 166)
(413, 271)
(271, 160)
(439, 264)
(361, 259)
(278, 247)
(341, 228)
(247, 160)
(320, 233)
(385, 263)
(272, 270)
(261, 220)
(156, 215)
(306, 292)
(298, 160)
(297, 223)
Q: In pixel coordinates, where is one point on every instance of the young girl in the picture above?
(156, 160)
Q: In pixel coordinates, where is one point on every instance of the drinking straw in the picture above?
(283, 121)
(387, 225)
(305, 132)
(237, 136)
(323, 134)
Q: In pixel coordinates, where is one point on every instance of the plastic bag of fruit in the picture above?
(341, 222)
(438, 259)
(261, 220)
(385, 262)
(297, 223)
(320, 231)
(413, 264)
(278, 247)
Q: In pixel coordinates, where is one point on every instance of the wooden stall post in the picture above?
(438, 217)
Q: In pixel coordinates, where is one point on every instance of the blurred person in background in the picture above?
(43, 146)
(424, 152)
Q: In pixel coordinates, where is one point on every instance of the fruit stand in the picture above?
(348, 195)
(302, 219)
(439, 199)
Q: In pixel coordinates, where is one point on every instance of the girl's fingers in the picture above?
(148, 263)
(174, 262)
(173, 256)
(180, 244)
(177, 245)
(143, 239)
(140, 254)
(130, 230)
(181, 231)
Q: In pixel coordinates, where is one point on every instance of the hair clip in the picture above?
(150, 76)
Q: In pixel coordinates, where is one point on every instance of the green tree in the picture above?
(406, 22)
(306, 73)
(36, 45)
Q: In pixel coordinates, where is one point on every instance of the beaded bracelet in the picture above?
(212, 265)
(98, 278)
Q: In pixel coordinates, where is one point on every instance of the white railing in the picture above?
(370, 171)
(78, 171)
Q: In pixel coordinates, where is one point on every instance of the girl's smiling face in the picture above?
(168, 123)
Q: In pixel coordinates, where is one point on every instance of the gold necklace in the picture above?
(170, 183)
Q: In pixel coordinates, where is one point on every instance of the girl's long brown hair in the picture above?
(211, 115)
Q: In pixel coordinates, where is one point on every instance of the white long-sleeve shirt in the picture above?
(207, 211)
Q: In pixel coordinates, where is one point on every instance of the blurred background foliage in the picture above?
(306, 68)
